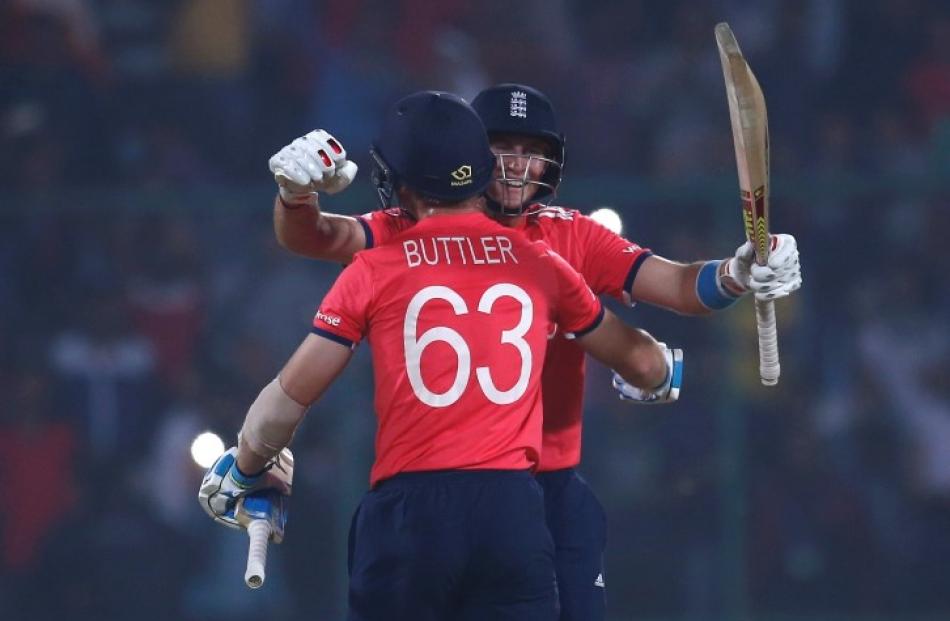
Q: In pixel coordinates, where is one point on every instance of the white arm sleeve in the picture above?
(272, 420)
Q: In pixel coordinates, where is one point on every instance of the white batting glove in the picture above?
(310, 164)
(667, 392)
(224, 484)
(778, 278)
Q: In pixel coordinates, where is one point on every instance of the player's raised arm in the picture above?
(703, 287)
(308, 165)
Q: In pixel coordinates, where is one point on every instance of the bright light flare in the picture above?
(206, 448)
(608, 218)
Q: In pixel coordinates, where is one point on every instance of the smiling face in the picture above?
(520, 162)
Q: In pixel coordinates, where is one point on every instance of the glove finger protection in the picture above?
(287, 170)
(326, 147)
(342, 179)
(312, 157)
(779, 277)
(782, 275)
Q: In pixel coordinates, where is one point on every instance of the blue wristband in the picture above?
(244, 480)
(708, 290)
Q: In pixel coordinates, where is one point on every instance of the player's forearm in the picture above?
(295, 227)
(270, 425)
(632, 353)
(279, 409)
(684, 288)
(643, 364)
(690, 301)
(249, 462)
(670, 285)
(308, 231)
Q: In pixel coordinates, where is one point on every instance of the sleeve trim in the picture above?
(590, 328)
(336, 338)
(370, 241)
(632, 274)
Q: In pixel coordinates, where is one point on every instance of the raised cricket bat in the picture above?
(750, 134)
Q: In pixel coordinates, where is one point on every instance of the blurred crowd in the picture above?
(144, 299)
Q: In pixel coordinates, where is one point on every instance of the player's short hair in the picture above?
(520, 110)
(434, 144)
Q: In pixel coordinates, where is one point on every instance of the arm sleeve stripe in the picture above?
(632, 274)
(333, 337)
(370, 242)
(596, 322)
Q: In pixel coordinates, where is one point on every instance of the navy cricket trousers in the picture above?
(578, 524)
(456, 545)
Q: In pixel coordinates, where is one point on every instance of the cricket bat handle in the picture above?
(769, 367)
(259, 533)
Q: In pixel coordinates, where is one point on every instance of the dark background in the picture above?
(144, 299)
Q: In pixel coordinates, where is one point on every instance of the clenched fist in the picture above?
(310, 164)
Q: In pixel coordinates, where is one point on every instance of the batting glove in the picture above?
(224, 484)
(310, 164)
(667, 392)
(778, 278)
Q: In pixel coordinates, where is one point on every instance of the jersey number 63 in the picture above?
(415, 344)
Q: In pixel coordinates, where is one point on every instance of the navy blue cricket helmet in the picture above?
(433, 143)
(518, 109)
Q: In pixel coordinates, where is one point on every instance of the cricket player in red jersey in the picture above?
(459, 311)
(529, 147)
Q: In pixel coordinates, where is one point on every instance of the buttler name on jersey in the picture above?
(461, 250)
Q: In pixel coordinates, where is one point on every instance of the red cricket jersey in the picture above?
(458, 310)
(608, 263)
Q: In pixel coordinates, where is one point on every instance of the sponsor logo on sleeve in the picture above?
(332, 320)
